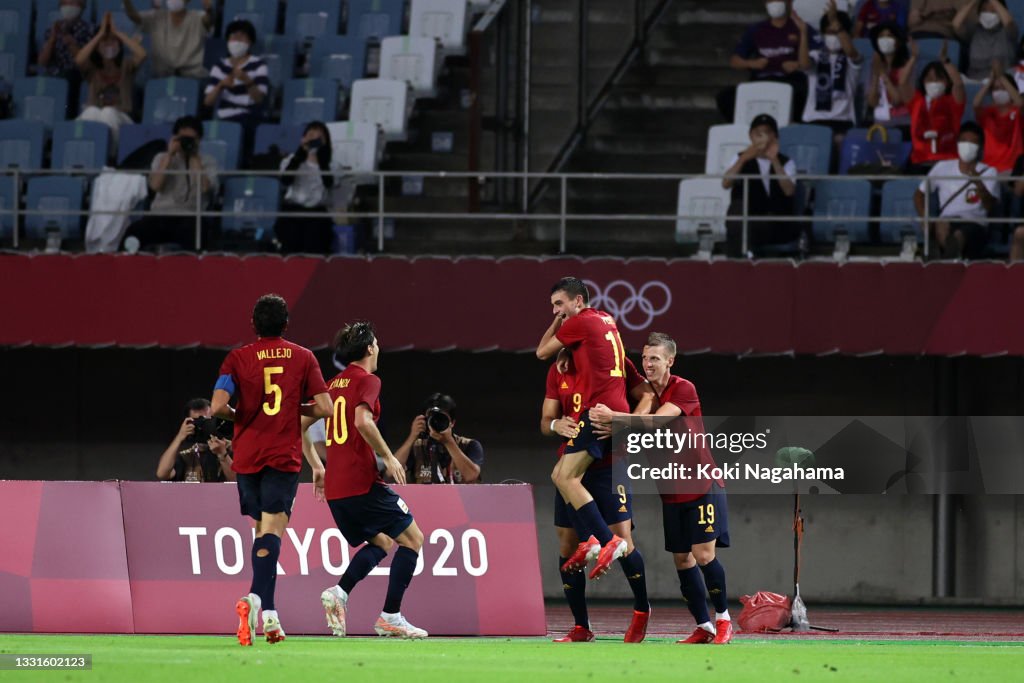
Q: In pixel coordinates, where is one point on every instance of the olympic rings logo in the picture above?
(631, 301)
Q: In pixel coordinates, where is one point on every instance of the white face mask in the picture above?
(968, 152)
(988, 20)
(934, 89)
(776, 10)
(832, 43)
(110, 52)
(237, 48)
(1001, 97)
(175, 5)
(886, 45)
(70, 12)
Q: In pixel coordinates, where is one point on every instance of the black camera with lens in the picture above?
(188, 144)
(206, 427)
(438, 420)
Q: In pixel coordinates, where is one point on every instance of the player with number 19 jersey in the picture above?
(599, 357)
(271, 378)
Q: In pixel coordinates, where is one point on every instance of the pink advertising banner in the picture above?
(188, 552)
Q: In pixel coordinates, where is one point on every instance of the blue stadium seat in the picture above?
(168, 99)
(842, 199)
(262, 14)
(1016, 8)
(13, 57)
(285, 137)
(340, 58)
(374, 19)
(223, 141)
(856, 149)
(307, 19)
(80, 144)
(214, 50)
(309, 99)
(21, 144)
(41, 99)
(245, 195)
(133, 136)
(57, 194)
(898, 202)
(930, 49)
(279, 54)
(8, 206)
(47, 12)
(15, 17)
(970, 91)
(809, 146)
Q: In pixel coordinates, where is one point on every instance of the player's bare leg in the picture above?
(700, 564)
(632, 563)
(391, 623)
(568, 477)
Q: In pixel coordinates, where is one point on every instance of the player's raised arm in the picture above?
(549, 343)
(368, 429)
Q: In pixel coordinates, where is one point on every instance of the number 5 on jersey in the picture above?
(272, 406)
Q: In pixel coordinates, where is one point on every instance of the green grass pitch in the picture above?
(531, 660)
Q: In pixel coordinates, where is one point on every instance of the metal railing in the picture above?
(564, 216)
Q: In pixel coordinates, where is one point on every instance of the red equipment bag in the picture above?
(764, 611)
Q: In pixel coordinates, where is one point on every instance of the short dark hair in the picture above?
(241, 26)
(765, 120)
(353, 341)
(972, 127)
(843, 18)
(270, 315)
(196, 404)
(662, 339)
(443, 401)
(937, 68)
(192, 122)
(573, 286)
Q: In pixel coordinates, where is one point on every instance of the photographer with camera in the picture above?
(198, 453)
(172, 215)
(433, 454)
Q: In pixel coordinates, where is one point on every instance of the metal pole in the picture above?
(948, 441)
(927, 211)
(199, 205)
(943, 546)
(746, 204)
(527, 46)
(14, 204)
(501, 104)
(380, 213)
(561, 232)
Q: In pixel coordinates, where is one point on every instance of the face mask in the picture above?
(935, 89)
(988, 20)
(968, 152)
(110, 52)
(70, 12)
(237, 48)
(776, 10)
(1001, 97)
(833, 44)
(887, 46)
(175, 5)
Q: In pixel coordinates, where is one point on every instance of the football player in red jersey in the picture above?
(696, 522)
(600, 361)
(272, 379)
(364, 508)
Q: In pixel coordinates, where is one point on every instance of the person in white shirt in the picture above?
(833, 73)
(310, 175)
(967, 192)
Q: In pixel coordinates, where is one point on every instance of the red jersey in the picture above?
(598, 355)
(943, 117)
(351, 463)
(681, 393)
(271, 378)
(1004, 141)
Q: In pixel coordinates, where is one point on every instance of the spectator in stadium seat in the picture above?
(1001, 121)
(990, 31)
(770, 51)
(110, 72)
(192, 458)
(178, 36)
(967, 189)
(935, 114)
(833, 74)
(891, 86)
(176, 193)
(1017, 243)
(933, 18)
(61, 43)
(876, 12)
(1018, 68)
(239, 83)
(309, 174)
(440, 457)
(769, 195)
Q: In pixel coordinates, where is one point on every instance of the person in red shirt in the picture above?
(364, 508)
(1001, 121)
(560, 415)
(272, 379)
(935, 114)
(695, 521)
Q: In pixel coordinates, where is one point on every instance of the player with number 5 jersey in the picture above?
(272, 380)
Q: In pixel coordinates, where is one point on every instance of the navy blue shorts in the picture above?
(586, 440)
(699, 521)
(269, 490)
(379, 511)
(615, 501)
